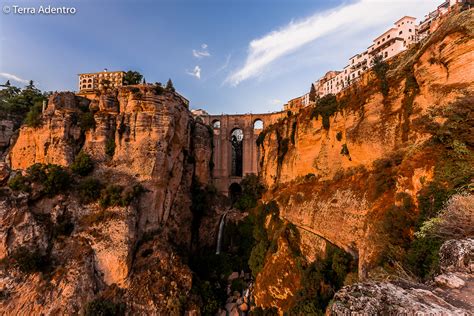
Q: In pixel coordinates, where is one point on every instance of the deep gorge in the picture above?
(360, 203)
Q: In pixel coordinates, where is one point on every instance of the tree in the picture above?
(312, 94)
(7, 84)
(132, 77)
(380, 68)
(83, 164)
(169, 85)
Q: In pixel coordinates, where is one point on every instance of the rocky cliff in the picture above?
(110, 238)
(354, 169)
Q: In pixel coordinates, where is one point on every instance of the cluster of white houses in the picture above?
(404, 33)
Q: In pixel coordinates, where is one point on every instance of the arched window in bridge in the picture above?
(258, 124)
(216, 124)
(236, 140)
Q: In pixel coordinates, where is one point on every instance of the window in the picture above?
(386, 54)
(388, 36)
(216, 124)
(400, 33)
(409, 30)
(378, 42)
(258, 124)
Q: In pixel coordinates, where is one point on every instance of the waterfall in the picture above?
(220, 234)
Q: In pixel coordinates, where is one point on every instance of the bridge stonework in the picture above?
(222, 154)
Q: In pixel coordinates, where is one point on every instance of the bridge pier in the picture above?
(223, 126)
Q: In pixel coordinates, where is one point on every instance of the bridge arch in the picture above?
(216, 124)
(258, 124)
(251, 126)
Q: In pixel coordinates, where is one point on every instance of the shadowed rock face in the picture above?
(140, 137)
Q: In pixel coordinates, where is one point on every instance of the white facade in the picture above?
(392, 42)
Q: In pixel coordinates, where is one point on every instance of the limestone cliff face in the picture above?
(149, 136)
(142, 135)
(329, 177)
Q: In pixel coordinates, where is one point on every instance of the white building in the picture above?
(392, 42)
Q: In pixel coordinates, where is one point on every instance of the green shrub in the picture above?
(53, 178)
(321, 279)
(159, 89)
(115, 195)
(89, 190)
(422, 257)
(210, 299)
(104, 307)
(238, 285)
(252, 190)
(19, 183)
(33, 117)
(87, 121)
(111, 196)
(257, 256)
(110, 147)
(82, 164)
(132, 77)
(326, 107)
(57, 180)
(380, 67)
(31, 261)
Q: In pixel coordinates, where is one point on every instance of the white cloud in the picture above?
(276, 102)
(364, 14)
(201, 53)
(13, 77)
(195, 73)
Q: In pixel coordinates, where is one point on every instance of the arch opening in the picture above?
(236, 140)
(258, 124)
(216, 124)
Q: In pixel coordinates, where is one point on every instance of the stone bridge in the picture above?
(235, 150)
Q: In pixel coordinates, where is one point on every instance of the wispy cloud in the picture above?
(13, 77)
(265, 50)
(276, 102)
(203, 52)
(196, 72)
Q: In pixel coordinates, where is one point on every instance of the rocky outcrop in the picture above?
(451, 293)
(139, 135)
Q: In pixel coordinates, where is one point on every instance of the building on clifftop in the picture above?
(90, 82)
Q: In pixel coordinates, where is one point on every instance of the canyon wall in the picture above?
(146, 149)
(336, 170)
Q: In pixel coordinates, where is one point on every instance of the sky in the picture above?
(225, 56)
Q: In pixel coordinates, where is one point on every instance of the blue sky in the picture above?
(235, 56)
